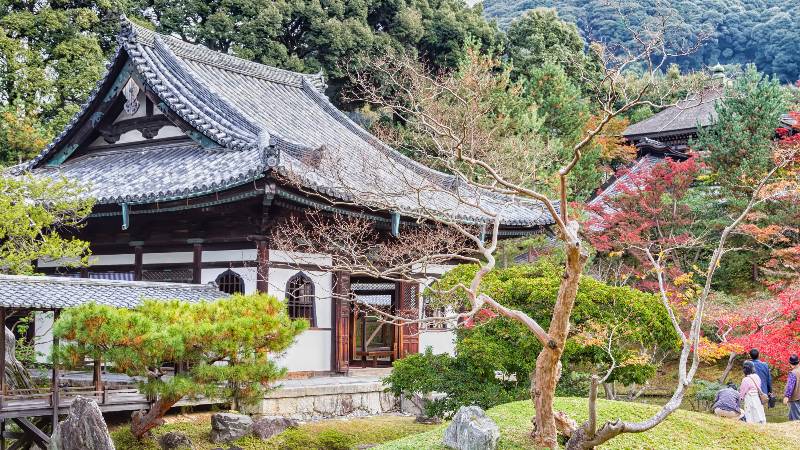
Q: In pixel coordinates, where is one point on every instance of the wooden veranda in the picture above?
(26, 407)
(34, 409)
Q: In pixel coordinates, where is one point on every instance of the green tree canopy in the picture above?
(738, 32)
(488, 344)
(540, 37)
(36, 218)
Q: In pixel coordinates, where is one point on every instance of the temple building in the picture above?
(187, 152)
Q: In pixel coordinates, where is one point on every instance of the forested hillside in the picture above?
(764, 32)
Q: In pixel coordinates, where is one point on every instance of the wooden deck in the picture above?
(40, 402)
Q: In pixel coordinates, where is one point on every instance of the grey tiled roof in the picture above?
(158, 173)
(263, 118)
(686, 115)
(642, 165)
(18, 291)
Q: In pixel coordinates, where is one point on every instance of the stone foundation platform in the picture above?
(327, 397)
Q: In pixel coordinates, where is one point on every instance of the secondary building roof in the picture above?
(250, 119)
(37, 292)
(686, 115)
(641, 166)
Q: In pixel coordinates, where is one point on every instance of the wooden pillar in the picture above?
(364, 338)
(262, 271)
(97, 376)
(55, 375)
(138, 254)
(408, 306)
(197, 260)
(340, 322)
(3, 360)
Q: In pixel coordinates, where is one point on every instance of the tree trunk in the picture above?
(548, 363)
(608, 388)
(17, 376)
(728, 368)
(142, 422)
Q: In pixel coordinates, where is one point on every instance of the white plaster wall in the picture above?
(167, 257)
(247, 254)
(310, 352)
(43, 341)
(440, 341)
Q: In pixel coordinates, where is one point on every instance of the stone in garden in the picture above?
(471, 429)
(83, 429)
(268, 426)
(228, 426)
(175, 440)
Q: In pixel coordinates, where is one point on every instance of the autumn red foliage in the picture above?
(773, 327)
(647, 214)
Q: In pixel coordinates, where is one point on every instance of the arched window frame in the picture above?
(301, 301)
(223, 283)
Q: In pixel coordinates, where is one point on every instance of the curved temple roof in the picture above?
(250, 119)
(686, 115)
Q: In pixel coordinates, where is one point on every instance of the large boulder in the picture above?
(228, 426)
(268, 426)
(175, 441)
(471, 429)
(83, 429)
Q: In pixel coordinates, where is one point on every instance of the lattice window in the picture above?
(300, 298)
(230, 282)
(367, 286)
(410, 294)
(168, 275)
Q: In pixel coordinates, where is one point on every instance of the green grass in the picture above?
(317, 435)
(682, 430)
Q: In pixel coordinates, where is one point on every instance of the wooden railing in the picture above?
(41, 398)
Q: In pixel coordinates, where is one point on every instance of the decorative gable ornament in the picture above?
(269, 151)
(131, 93)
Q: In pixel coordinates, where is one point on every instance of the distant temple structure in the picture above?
(186, 152)
(667, 134)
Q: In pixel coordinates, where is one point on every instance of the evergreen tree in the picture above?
(225, 349)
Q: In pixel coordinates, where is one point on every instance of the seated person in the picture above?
(726, 403)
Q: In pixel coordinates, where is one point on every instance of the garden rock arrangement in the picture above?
(266, 427)
(175, 441)
(83, 429)
(228, 426)
(471, 429)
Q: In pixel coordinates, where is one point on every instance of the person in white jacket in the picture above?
(750, 392)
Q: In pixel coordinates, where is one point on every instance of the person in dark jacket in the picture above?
(791, 396)
(762, 370)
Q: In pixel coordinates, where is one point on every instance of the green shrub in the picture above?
(496, 357)
(297, 439)
(704, 392)
(331, 439)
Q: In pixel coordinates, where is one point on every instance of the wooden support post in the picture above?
(197, 260)
(55, 377)
(364, 339)
(3, 359)
(340, 322)
(97, 377)
(138, 253)
(262, 271)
